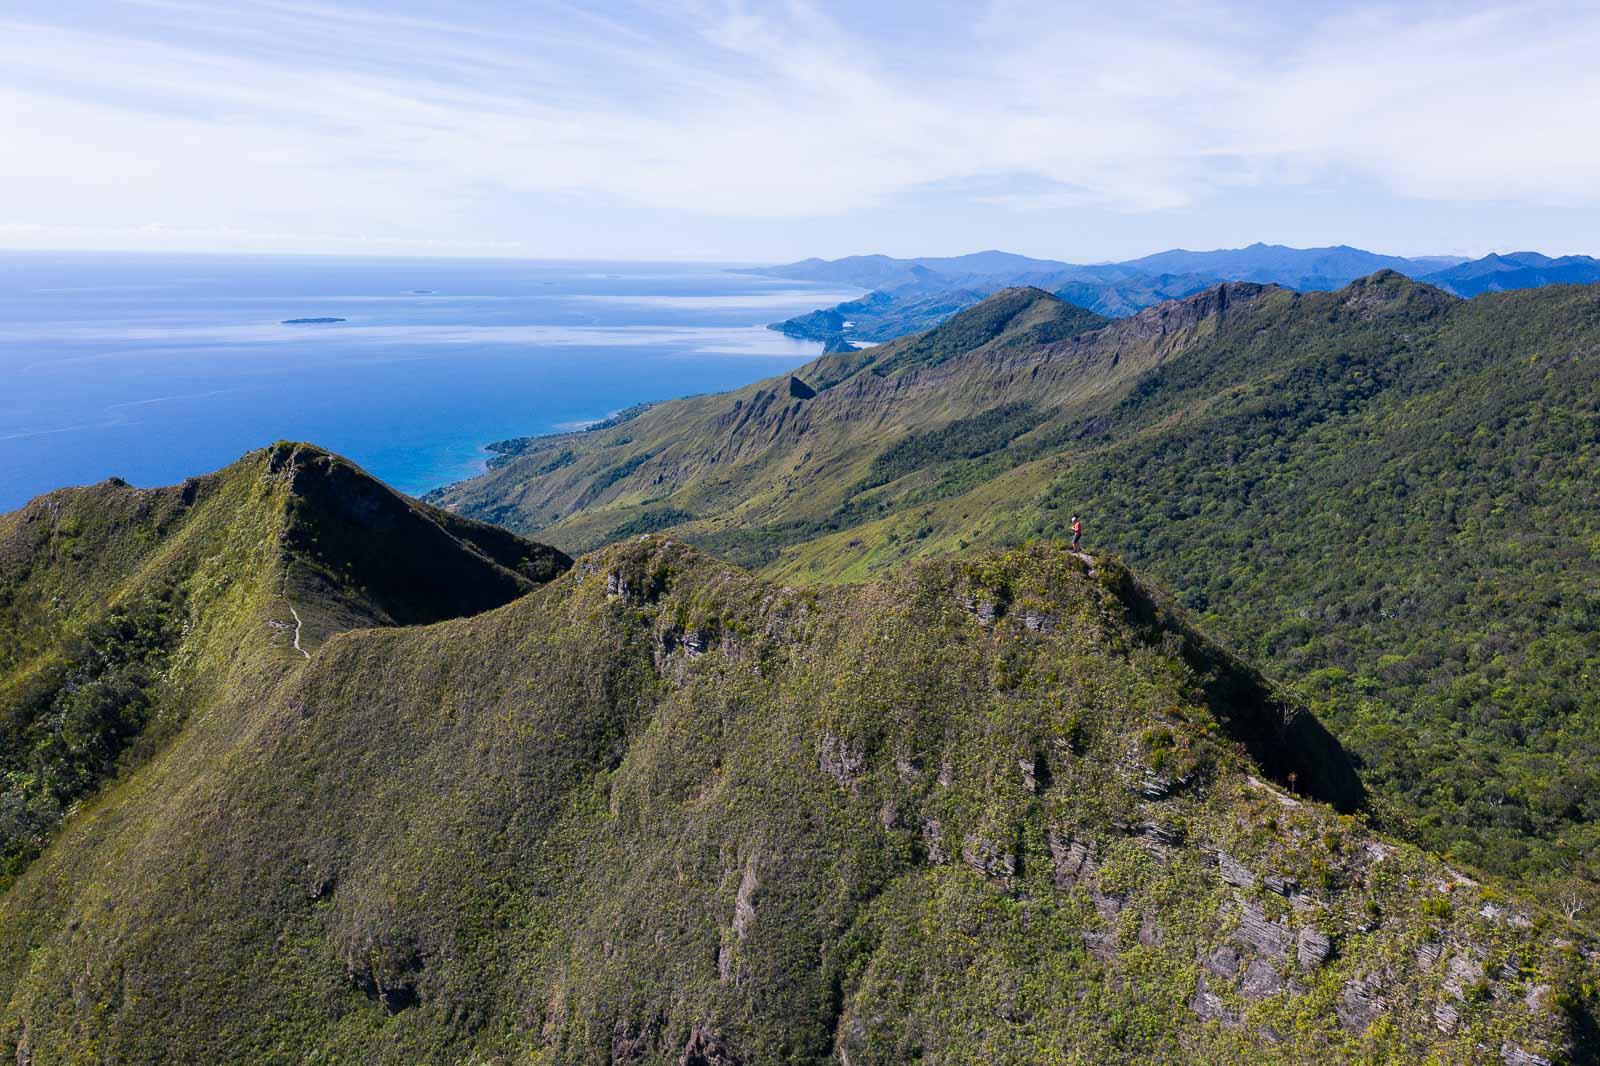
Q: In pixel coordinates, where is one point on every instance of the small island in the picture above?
(311, 321)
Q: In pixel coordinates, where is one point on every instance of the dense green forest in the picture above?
(1410, 533)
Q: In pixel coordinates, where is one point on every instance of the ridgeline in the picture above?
(1384, 494)
(651, 808)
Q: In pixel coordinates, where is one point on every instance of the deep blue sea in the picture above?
(156, 367)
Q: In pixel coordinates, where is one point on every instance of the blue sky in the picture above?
(730, 131)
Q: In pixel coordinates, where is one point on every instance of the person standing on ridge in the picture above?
(1077, 532)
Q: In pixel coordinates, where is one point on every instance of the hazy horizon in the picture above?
(721, 132)
(157, 367)
(731, 264)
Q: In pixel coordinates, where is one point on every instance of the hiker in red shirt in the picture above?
(1077, 532)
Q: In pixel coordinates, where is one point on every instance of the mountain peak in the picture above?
(1018, 316)
(1388, 292)
(412, 562)
(146, 597)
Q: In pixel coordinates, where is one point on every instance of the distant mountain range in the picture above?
(1518, 270)
(882, 271)
(910, 295)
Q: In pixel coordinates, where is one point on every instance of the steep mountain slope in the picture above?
(732, 465)
(1386, 493)
(1009, 810)
(121, 609)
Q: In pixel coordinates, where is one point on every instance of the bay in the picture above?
(153, 368)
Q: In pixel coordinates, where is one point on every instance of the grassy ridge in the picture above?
(122, 609)
(1013, 809)
(759, 458)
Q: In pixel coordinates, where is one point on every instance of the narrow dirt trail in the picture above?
(297, 625)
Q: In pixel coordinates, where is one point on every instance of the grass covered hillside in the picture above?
(1385, 493)
(780, 461)
(123, 609)
(1010, 809)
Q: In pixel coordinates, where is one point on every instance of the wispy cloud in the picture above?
(484, 127)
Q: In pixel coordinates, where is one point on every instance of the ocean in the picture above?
(153, 368)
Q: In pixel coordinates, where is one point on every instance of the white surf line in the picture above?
(297, 625)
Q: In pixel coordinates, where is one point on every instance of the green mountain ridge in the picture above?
(1384, 493)
(122, 608)
(655, 463)
(652, 808)
(989, 364)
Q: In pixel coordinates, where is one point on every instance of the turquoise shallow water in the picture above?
(153, 368)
